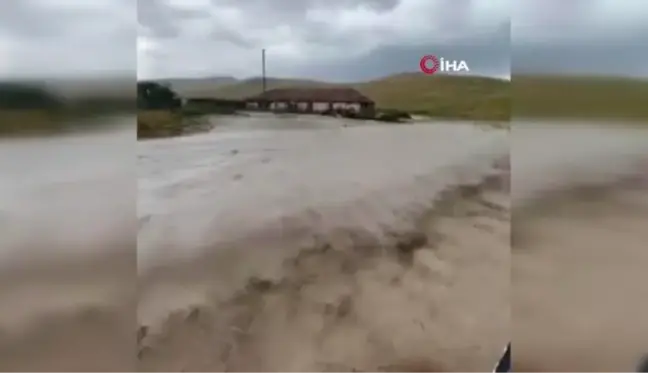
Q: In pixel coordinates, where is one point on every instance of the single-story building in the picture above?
(313, 100)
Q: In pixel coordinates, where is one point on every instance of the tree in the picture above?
(152, 95)
(22, 96)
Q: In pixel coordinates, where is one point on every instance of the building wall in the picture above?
(317, 107)
(346, 106)
(320, 106)
(278, 105)
(368, 110)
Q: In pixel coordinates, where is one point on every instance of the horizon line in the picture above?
(335, 81)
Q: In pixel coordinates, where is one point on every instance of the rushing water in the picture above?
(201, 190)
(306, 243)
(289, 231)
(579, 257)
(67, 250)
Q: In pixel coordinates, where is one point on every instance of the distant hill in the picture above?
(470, 97)
(595, 97)
(120, 87)
(440, 96)
(462, 97)
(252, 86)
(198, 86)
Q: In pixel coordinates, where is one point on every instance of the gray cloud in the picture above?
(487, 55)
(291, 11)
(603, 59)
(17, 20)
(163, 21)
(602, 37)
(40, 38)
(332, 40)
(157, 20)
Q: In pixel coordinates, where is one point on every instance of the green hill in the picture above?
(480, 98)
(191, 87)
(250, 87)
(459, 97)
(580, 97)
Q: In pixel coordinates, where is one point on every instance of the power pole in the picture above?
(263, 67)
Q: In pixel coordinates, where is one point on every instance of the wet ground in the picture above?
(310, 244)
(307, 243)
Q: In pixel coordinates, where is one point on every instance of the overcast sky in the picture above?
(67, 37)
(322, 39)
(580, 37)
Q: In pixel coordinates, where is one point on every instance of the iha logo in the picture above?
(431, 64)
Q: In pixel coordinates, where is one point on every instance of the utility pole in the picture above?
(263, 67)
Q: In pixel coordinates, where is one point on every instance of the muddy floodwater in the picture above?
(301, 243)
(307, 243)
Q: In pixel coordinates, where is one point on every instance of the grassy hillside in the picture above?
(459, 97)
(254, 86)
(491, 99)
(48, 107)
(168, 123)
(198, 87)
(440, 96)
(580, 97)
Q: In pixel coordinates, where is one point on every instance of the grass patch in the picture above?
(43, 122)
(580, 97)
(192, 109)
(456, 97)
(169, 123)
(30, 121)
(31, 108)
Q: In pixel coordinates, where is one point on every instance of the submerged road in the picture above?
(275, 235)
(278, 224)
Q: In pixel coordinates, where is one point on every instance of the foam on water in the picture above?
(301, 244)
(580, 209)
(67, 251)
(217, 188)
(70, 191)
(266, 218)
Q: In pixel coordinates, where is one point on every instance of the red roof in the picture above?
(312, 94)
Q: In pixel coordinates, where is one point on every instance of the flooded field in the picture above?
(68, 252)
(580, 207)
(300, 244)
(307, 243)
